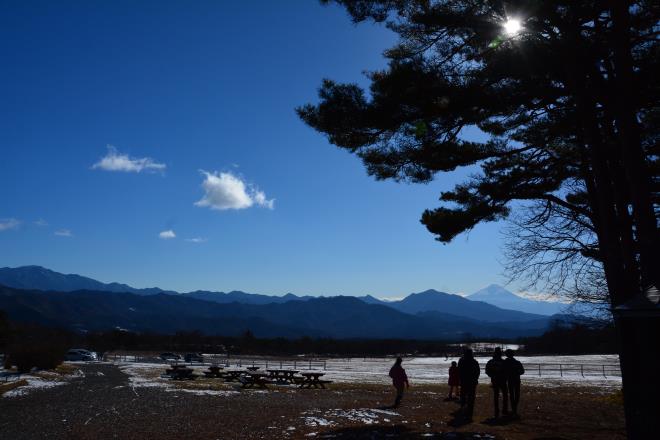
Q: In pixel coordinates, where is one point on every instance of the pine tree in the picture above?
(567, 93)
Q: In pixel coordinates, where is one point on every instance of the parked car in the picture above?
(193, 357)
(80, 354)
(170, 357)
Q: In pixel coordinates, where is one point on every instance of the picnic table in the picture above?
(312, 380)
(286, 376)
(254, 379)
(180, 372)
(214, 371)
(233, 375)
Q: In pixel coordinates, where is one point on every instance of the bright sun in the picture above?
(512, 26)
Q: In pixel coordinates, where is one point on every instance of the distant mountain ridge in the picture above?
(432, 300)
(500, 297)
(336, 317)
(508, 309)
(40, 278)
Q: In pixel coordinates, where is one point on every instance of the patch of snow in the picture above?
(203, 392)
(318, 421)
(434, 370)
(583, 370)
(33, 383)
(383, 411)
(141, 376)
(361, 415)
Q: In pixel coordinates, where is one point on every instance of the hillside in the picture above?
(337, 317)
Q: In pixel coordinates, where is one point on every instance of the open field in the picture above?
(130, 401)
(595, 370)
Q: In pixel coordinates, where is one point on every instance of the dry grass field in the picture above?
(105, 403)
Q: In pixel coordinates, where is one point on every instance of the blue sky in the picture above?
(197, 100)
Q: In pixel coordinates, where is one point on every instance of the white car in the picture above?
(80, 354)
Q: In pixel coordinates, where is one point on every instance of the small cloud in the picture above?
(41, 222)
(224, 191)
(63, 233)
(116, 161)
(196, 240)
(167, 235)
(9, 223)
(260, 199)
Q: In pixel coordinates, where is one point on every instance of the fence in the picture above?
(229, 361)
(605, 370)
(346, 364)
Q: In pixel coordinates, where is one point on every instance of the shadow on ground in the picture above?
(399, 432)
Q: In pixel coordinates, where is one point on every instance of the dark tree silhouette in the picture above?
(549, 248)
(570, 104)
(4, 330)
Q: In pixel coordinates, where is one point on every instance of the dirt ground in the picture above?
(104, 405)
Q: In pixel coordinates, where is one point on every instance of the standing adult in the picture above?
(399, 380)
(496, 370)
(514, 369)
(468, 372)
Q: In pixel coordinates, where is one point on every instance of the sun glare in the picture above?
(512, 26)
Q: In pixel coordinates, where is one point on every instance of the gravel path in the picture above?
(102, 405)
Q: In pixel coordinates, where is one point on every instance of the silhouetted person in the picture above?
(468, 373)
(513, 369)
(496, 370)
(399, 380)
(454, 381)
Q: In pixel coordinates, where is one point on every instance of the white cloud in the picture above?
(41, 222)
(9, 223)
(196, 240)
(228, 191)
(260, 199)
(115, 161)
(63, 233)
(167, 235)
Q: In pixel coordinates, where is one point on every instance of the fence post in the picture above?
(324, 366)
(294, 364)
(582, 369)
(561, 373)
(539, 370)
(604, 371)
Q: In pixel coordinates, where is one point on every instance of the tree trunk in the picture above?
(640, 363)
(625, 108)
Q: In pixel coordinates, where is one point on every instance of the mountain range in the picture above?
(500, 297)
(36, 294)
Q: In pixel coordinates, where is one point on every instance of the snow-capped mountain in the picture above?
(501, 297)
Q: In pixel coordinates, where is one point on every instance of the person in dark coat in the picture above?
(468, 373)
(454, 381)
(495, 369)
(514, 369)
(399, 380)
